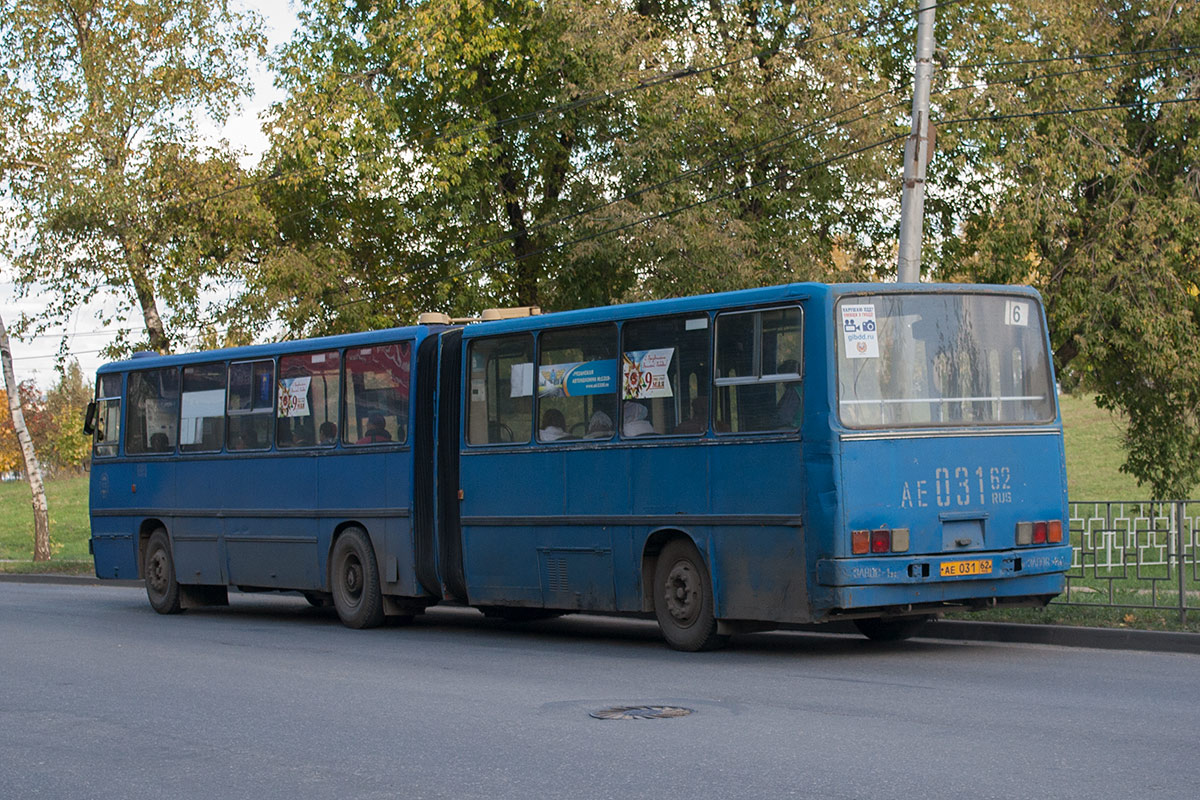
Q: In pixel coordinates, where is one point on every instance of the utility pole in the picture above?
(917, 151)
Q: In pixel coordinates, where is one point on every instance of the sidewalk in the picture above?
(947, 630)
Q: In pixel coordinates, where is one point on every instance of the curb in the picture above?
(1064, 636)
(63, 580)
(947, 630)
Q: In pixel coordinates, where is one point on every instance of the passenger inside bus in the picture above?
(554, 425)
(376, 431)
(635, 420)
(159, 443)
(600, 426)
(790, 409)
(328, 433)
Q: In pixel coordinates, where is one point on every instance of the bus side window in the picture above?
(577, 383)
(202, 409)
(500, 393)
(251, 403)
(108, 416)
(659, 358)
(153, 411)
(309, 387)
(759, 361)
(377, 392)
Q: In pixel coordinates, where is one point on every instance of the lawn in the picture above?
(68, 501)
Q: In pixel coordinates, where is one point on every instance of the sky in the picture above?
(35, 358)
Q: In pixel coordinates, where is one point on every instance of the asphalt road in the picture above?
(102, 698)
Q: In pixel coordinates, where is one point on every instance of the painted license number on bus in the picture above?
(952, 569)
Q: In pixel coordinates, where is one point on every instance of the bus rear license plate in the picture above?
(954, 569)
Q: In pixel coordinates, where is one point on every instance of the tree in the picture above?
(33, 472)
(446, 154)
(68, 447)
(112, 195)
(1099, 209)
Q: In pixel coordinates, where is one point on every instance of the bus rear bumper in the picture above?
(906, 579)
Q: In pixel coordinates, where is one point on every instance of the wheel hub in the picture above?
(156, 572)
(683, 593)
(353, 575)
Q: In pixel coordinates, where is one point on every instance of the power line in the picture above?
(1075, 57)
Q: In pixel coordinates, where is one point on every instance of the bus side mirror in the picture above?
(89, 419)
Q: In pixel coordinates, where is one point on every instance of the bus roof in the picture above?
(741, 297)
(145, 360)
(677, 305)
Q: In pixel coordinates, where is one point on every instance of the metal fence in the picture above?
(1134, 554)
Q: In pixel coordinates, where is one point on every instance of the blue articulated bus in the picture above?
(796, 454)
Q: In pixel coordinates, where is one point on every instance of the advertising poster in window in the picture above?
(293, 396)
(577, 379)
(645, 373)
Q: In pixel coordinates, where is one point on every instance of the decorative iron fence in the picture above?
(1134, 554)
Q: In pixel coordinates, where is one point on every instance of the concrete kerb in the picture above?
(950, 630)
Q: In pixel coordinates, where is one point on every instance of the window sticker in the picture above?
(293, 396)
(577, 379)
(858, 331)
(521, 380)
(645, 373)
(1016, 313)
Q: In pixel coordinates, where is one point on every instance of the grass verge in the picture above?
(68, 501)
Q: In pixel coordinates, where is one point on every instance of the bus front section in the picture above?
(950, 456)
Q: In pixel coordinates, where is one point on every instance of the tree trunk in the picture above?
(41, 512)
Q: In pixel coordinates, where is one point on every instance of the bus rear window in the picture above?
(942, 360)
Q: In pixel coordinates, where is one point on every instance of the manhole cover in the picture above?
(640, 712)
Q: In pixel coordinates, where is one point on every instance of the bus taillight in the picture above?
(880, 540)
(1042, 532)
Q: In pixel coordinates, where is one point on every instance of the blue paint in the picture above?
(572, 523)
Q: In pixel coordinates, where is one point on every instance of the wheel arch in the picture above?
(145, 530)
(338, 530)
(654, 545)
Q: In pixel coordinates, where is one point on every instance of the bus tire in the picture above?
(894, 629)
(354, 580)
(683, 599)
(158, 569)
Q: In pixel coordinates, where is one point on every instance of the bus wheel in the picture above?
(683, 600)
(890, 630)
(159, 570)
(355, 581)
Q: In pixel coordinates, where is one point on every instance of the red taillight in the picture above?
(1054, 531)
(1039, 533)
(860, 542)
(881, 541)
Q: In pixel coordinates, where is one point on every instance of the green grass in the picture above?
(68, 501)
(1094, 453)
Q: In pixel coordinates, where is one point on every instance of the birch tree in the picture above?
(33, 472)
